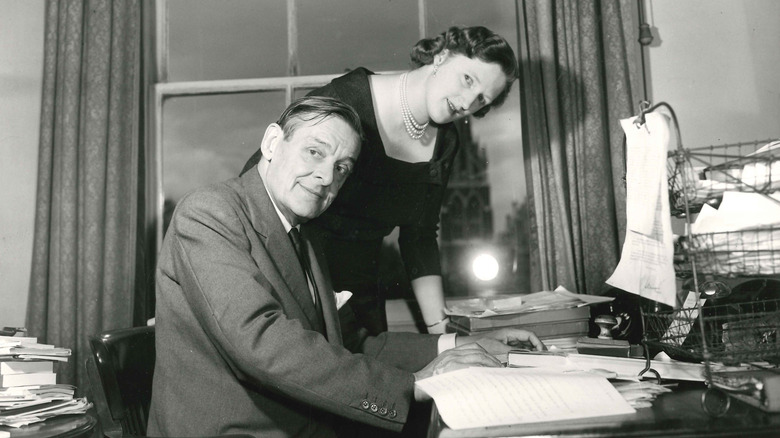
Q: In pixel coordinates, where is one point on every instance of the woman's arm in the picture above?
(430, 296)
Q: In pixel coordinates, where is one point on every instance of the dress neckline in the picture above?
(373, 124)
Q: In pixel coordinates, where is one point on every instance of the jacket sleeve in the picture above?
(235, 293)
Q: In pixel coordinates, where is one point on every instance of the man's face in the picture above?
(306, 171)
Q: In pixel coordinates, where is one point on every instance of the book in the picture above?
(603, 347)
(9, 380)
(19, 339)
(475, 323)
(622, 366)
(39, 356)
(542, 331)
(39, 349)
(36, 391)
(25, 366)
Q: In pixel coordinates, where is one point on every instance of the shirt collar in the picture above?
(285, 222)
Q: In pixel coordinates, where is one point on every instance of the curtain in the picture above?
(83, 277)
(579, 77)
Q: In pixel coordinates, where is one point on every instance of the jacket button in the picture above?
(434, 172)
(382, 411)
(392, 413)
(364, 404)
(374, 407)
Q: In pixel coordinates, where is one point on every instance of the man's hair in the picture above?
(317, 108)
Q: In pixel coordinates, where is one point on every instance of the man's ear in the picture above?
(274, 134)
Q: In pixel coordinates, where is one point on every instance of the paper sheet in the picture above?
(484, 397)
(646, 266)
(739, 211)
(483, 307)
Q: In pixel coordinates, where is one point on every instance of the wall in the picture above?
(21, 69)
(717, 63)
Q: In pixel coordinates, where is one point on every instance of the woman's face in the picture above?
(462, 86)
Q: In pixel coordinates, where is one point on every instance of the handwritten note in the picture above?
(484, 397)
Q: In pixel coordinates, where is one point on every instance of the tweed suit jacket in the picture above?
(240, 348)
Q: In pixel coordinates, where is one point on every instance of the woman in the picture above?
(405, 162)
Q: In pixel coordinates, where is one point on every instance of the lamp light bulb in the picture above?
(485, 267)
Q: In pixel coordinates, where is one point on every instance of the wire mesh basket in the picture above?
(704, 174)
(753, 252)
(705, 177)
(729, 331)
(732, 333)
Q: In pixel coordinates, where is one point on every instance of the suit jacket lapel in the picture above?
(278, 245)
(325, 291)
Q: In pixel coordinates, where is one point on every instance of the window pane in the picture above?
(226, 39)
(300, 92)
(209, 138)
(339, 35)
(496, 15)
(499, 136)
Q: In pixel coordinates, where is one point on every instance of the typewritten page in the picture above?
(646, 266)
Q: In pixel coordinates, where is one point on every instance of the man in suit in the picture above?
(248, 334)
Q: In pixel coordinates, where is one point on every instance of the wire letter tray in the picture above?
(733, 333)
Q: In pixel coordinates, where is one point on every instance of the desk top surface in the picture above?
(678, 413)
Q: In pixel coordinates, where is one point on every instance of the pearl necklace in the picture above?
(414, 129)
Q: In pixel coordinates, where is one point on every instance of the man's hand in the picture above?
(464, 356)
(501, 341)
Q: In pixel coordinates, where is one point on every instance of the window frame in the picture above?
(163, 89)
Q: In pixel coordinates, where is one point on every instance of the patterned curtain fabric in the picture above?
(580, 75)
(84, 254)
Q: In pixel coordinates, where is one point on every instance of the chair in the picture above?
(120, 376)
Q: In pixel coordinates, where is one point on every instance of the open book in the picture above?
(486, 397)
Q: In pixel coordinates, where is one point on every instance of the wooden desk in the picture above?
(65, 426)
(675, 414)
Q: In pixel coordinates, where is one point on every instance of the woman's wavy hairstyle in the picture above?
(473, 42)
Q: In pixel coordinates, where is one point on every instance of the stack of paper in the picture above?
(35, 412)
(28, 382)
(741, 237)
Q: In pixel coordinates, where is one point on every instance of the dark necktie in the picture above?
(300, 250)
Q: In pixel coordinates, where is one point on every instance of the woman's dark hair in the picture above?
(473, 42)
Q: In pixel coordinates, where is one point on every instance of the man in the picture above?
(247, 340)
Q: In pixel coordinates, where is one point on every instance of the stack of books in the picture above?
(29, 392)
(559, 317)
(553, 326)
(24, 361)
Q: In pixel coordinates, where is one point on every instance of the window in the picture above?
(225, 69)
